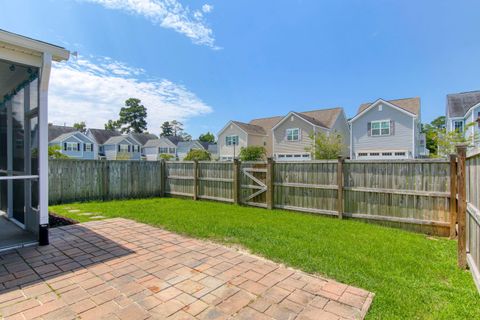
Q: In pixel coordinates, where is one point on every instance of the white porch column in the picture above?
(43, 140)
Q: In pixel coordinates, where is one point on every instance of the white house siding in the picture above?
(152, 153)
(341, 126)
(280, 143)
(474, 130)
(227, 151)
(401, 140)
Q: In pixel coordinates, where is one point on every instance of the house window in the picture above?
(72, 146)
(362, 154)
(386, 154)
(88, 147)
(381, 128)
(163, 150)
(231, 140)
(293, 134)
(400, 154)
(171, 150)
(458, 125)
(123, 147)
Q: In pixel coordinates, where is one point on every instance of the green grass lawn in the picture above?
(412, 275)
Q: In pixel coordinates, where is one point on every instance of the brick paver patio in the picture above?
(121, 269)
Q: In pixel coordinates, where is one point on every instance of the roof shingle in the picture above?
(411, 105)
(459, 103)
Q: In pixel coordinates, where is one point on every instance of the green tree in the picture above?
(54, 152)
(112, 125)
(207, 137)
(167, 130)
(326, 146)
(185, 136)
(177, 128)
(133, 116)
(252, 153)
(431, 131)
(447, 141)
(198, 155)
(80, 126)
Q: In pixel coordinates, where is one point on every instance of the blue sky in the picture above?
(206, 62)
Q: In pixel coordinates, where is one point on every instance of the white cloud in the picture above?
(207, 8)
(168, 14)
(94, 89)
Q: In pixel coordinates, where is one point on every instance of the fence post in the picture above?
(269, 183)
(462, 207)
(453, 196)
(162, 178)
(340, 187)
(236, 181)
(195, 180)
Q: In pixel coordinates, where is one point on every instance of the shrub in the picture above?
(252, 153)
(166, 156)
(54, 152)
(198, 155)
(326, 146)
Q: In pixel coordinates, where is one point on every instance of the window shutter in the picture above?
(478, 119)
(78, 147)
(65, 146)
(84, 147)
(392, 127)
(118, 148)
(91, 146)
(369, 128)
(299, 134)
(128, 148)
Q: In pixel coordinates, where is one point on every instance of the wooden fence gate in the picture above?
(253, 183)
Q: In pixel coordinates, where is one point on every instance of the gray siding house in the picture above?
(461, 110)
(184, 147)
(112, 145)
(292, 134)
(388, 130)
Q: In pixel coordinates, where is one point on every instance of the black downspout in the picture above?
(43, 235)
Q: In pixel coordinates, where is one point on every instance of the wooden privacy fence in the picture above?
(472, 217)
(82, 180)
(411, 194)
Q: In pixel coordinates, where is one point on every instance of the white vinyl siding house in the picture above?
(385, 130)
(463, 115)
(154, 148)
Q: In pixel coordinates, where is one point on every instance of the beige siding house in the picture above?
(388, 130)
(271, 133)
(236, 135)
(292, 134)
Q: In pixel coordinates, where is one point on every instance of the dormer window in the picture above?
(293, 134)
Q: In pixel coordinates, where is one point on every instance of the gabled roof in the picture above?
(185, 146)
(411, 105)
(117, 139)
(101, 135)
(142, 138)
(65, 136)
(267, 123)
(458, 104)
(250, 128)
(152, 143)
(324, 118)
(174, 139)
(56, 131)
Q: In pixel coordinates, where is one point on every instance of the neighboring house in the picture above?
(388, 130)
(292, 135)
(463, 109)
(72, 143)
(155, 147)
(236, 135)
(143, 138)
(184, 147)
(112, 145)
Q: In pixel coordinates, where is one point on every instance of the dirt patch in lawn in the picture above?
(59, 221)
